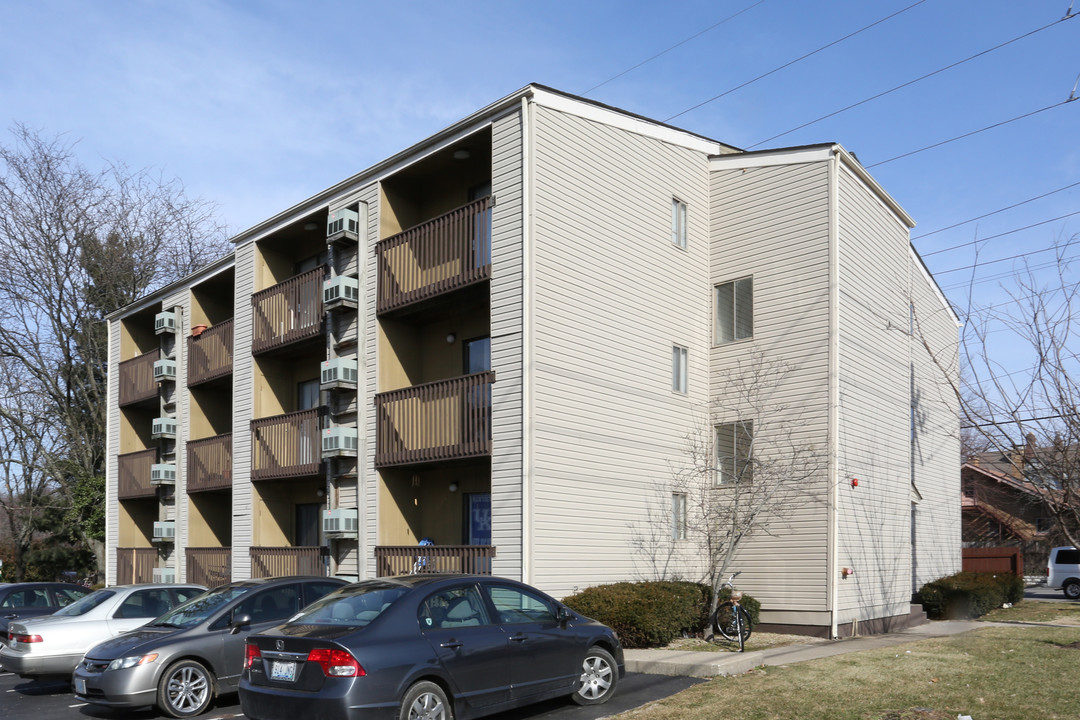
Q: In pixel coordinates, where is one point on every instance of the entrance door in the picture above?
(477, 420)
(478, 527)
(307, 524)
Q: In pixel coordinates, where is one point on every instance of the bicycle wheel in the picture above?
(723, 621)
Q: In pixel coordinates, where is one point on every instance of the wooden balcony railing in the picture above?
(133, 474)
(210, 355)
(135, 565)
(443, 420)
(441, 255)
(279, 561)
(288, 312)
(286, 445)
(136, 377)
(209, 463)
(402, 559)
(209, 566)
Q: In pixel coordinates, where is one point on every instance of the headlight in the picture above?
(132, 661)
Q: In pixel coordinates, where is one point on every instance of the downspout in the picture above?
(526, 343)
(832, 565)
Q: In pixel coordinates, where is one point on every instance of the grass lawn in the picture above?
(993, 673)
(1060, 613)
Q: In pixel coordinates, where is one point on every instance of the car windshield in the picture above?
(200, 607)
(85, 604)
(353, 605)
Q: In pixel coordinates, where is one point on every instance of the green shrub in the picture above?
(969, 595)
(650, 614)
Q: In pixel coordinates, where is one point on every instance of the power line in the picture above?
(678, 44)
(1004, 259)
(792, 62)
(910, 82)
(998, 276)
(973, 132)
(986, 215)
(976, 241)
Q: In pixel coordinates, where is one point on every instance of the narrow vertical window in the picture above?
(678, 223)
(678, 369)
(678, 516)
(734, 448)
(734, 311)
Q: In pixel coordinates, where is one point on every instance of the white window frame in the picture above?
(680, 364)
(679, 232)
(733, 452)
(678, 516)
(732, 319)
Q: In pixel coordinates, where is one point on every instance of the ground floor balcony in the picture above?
(434, 422)
(281, 561)
(393, 560)
(209, 566)
(209, 463)
(133, 474)
(286, 446)
(135, 565)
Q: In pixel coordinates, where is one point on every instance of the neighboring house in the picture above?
(498, 339)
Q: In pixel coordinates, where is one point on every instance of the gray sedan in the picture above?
(53, 645)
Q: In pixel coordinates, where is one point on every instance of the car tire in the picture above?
(185, 689)
(1071, 589)
(599, 678)
(425, 701)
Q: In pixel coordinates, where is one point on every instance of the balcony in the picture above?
(210, 355)
(280, 561)
(209, 463)
(393, 560)
(136, 378)
(443, 420)
(209, 566)
(135, 565)
(286, 446)
(289, 312)
(445, 254)
(133, 475)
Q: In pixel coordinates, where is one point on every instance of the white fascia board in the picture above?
(622, 121)
(917, 259)
(771, 158)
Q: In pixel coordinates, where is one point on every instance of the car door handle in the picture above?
(520, 637)
(451, 645)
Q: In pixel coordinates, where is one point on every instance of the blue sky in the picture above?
(259, 105)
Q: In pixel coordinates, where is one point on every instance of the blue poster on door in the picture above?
(480, 519)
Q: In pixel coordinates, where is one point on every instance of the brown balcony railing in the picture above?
(403, 559)
(209, 566)
(442, 420)
(286, 445)
(136, 377)
(288, 312)
(441, 255)
(209, 463)
(133, 474)
(135, 565)
(279, 561)
(210, 355)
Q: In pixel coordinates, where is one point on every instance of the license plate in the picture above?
(80, 686)
(284, 671)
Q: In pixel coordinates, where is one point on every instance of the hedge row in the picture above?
(651, 614)
(969, 595)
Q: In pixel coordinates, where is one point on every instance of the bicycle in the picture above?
(731, 620)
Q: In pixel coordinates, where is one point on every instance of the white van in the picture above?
(1063, 571)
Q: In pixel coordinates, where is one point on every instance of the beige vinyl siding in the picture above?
(611, 295)
(772, 223)
(112, 443)
(937, 432)
(874, 536)
(243, 410)
(507, 309)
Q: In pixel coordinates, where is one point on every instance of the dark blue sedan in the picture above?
(436, 647)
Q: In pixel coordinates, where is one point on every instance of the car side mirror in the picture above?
(239, 621)
(564, 616)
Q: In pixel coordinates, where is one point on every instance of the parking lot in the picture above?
(53, 701)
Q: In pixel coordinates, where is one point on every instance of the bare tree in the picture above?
(76, 244)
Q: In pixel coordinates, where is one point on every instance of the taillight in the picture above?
(251, 654)
(336, 663)
(20, 637)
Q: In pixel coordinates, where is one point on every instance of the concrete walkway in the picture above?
(710, 664)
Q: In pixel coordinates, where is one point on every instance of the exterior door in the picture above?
(477, 405)
(306, 533)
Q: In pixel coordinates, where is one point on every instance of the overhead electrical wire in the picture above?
(992, 237)
(986, 215)
(982, 263)
(792, 62)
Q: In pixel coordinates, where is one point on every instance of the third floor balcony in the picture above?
(288, 312)
(136, 378)
(439, 256)
(209, 463)
(286, 446)
(210, 354)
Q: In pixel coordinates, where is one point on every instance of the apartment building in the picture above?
(499, 340)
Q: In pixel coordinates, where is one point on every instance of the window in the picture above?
(734, 445)
(517, 605)
(678, 223)
(453, 608)
(734, 311)
(1043, 525)
(678, 516)
(678, 369)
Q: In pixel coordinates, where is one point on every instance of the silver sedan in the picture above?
(53, 645)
